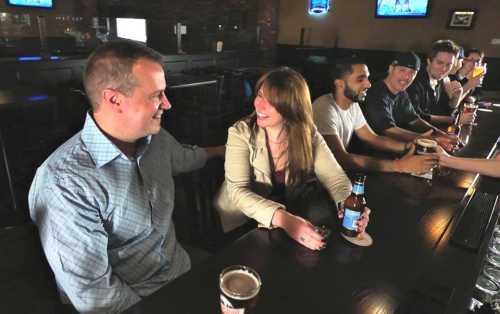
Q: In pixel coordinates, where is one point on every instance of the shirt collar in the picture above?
(430, 83)
(335, 104)
(101, 148)
(389, 93)
(433, 83)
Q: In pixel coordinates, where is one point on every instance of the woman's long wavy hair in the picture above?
(287, 91)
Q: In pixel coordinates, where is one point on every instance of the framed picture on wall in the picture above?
(462, 18)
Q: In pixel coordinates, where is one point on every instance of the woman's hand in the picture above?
(442, 155)
(362, 222)
(299, 229)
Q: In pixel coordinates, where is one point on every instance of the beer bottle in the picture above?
(354, 206)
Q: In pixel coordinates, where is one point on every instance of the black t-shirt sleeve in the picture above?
(378, 111)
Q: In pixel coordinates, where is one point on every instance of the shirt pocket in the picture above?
(131, 218)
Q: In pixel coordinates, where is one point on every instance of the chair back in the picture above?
(27, 284)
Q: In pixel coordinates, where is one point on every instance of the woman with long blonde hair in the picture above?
(271, 152)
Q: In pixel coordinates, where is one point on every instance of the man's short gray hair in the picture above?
(110, 66)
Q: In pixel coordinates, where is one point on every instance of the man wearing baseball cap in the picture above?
(389, 110)
(338, 117)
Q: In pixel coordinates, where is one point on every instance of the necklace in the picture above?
(277, 142)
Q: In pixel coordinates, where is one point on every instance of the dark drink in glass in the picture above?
(239, 287)
(425, 146)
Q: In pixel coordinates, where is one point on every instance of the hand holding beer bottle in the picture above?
(355, 215)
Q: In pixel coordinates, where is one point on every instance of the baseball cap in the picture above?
(407, 59)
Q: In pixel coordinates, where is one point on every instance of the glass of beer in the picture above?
(485, 289)
(479, 69)
(239, 287)
(470, 107)
(425, 146)
(464, 135)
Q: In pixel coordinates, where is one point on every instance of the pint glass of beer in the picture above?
(479, 69)
(470, 107)
(239, 288)
(425, 146)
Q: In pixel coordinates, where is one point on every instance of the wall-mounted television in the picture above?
(402, 8)
(48, 4)
(131, 28)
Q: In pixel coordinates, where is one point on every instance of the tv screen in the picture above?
(131, 28)
(402, 8)
(32, 3)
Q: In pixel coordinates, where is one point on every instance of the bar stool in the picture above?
(27, 284)
(6, 169)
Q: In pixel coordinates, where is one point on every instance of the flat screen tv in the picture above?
(48, 4)
(131, 28)
(402, 8)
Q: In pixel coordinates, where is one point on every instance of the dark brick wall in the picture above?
(244, 24)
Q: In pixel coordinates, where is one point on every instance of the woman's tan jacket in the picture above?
(248, 177)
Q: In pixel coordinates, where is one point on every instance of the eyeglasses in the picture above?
(471, 60)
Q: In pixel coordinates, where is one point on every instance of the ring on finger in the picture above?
(302, 239)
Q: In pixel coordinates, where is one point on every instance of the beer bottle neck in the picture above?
(358, 188)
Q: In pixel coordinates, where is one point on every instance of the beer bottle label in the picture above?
(350, 219)
(358, 189)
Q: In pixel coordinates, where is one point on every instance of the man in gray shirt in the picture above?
(103, 201)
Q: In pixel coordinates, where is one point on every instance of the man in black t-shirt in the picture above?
(385, 109)
(388, 108)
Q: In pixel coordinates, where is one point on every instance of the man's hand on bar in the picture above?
(362, 223)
